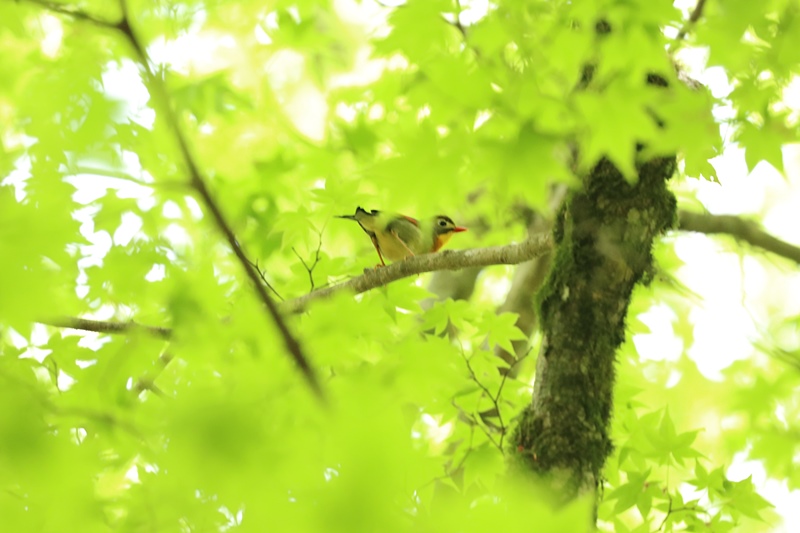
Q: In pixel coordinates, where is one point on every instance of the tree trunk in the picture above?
(604, 236)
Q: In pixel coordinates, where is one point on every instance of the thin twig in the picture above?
(470, 417)
(496, 399)
(310, 269)
(502, 427)
(65, 9)
(263, 275)
(452, 471)
(505, 375)
(148, 381)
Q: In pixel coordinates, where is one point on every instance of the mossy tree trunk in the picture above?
(604, 236)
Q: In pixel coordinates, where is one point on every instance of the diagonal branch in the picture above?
(740, 229)
(697, 12)
(77, 14)
(263, 275)
(198, 183)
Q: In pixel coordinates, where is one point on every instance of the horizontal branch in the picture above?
(510, 254)
(740, 229)
(103, 326)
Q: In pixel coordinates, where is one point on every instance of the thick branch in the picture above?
(510, 254)
(740, 229)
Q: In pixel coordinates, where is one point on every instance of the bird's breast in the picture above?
(393, 248)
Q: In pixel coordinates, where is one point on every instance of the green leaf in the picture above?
(628, 494)
(502, 329)
(211, 95)
(667, 443)
(614, 138)
(483, 465)
(764, 143)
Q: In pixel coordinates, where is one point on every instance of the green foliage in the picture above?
(299, 111)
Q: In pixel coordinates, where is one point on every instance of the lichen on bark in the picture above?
(604, 237)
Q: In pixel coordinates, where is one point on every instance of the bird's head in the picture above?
(443, 229)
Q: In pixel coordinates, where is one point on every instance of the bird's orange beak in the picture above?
(459, 229)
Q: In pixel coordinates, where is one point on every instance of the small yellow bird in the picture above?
(396, 237)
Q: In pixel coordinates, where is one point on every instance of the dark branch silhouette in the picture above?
(105, 326)
(697, 12)
(197, 182)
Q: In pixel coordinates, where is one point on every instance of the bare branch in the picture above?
(103, 326)
(148, 381)
(510, 254)
(738, 228)
(697, 12)
(263, 275)
(310, 269)
(473, 420)
(496, 409)
(65, 9)
(198, 184)
(516, 363)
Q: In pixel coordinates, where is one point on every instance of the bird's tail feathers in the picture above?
(359, 210)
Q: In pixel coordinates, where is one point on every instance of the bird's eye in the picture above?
(442, 223)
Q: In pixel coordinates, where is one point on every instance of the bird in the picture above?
(396, 236)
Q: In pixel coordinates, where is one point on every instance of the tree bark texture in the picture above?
(604, 236)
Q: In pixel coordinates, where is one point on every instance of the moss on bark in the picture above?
(604, 239)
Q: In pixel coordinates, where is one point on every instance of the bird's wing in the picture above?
(408, 233)
(412, 220)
